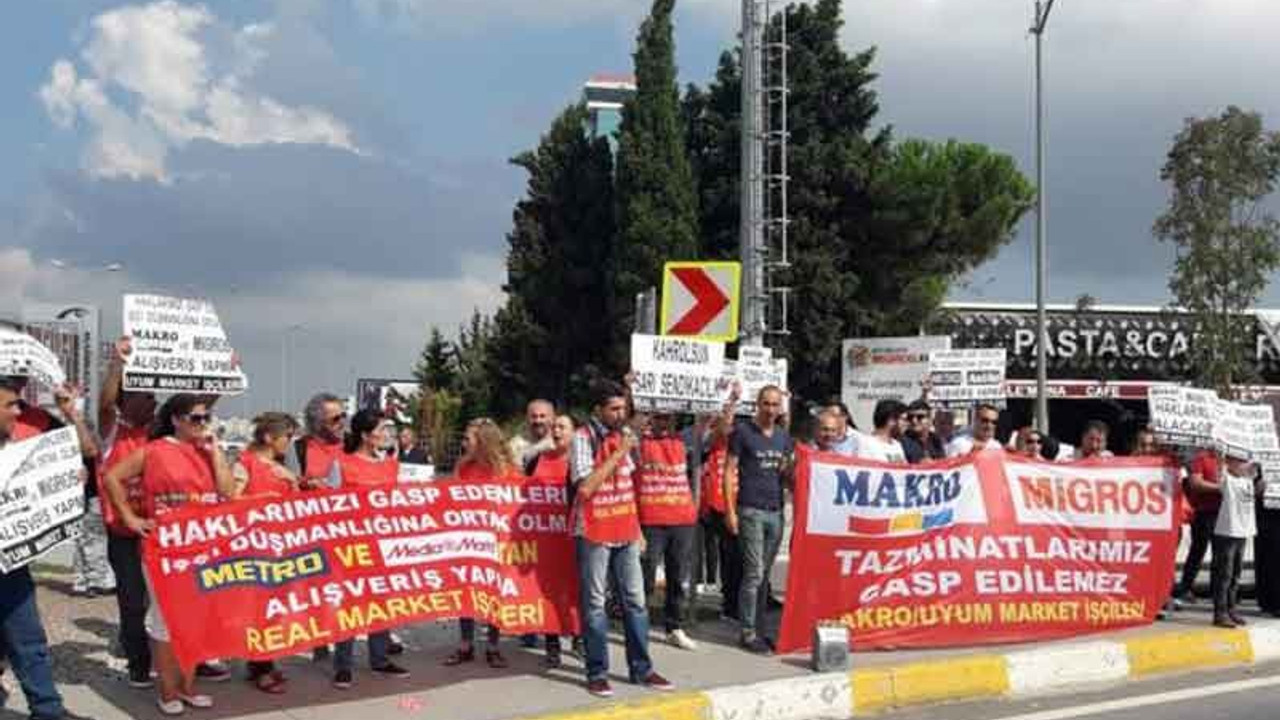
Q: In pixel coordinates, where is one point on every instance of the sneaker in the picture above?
(171, 707)
(140, 679)
(600, 688)
(757, 645)
(395, 647)
(552, 661)
(1223, 621)
(213, 671)
(681, 640)
(197, 701)
(654, 681)
(342, 679)
(1237, 619)
(391, 670)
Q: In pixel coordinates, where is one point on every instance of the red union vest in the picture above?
(609, 516)
(263, 478)
(713, 498)
(31, 422)
(175, 474)
(127, 440)
(360, 471)
(663, 483)
(320, 457)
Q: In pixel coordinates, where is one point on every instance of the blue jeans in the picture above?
(760, 535)
(596, 563)
(344, 652)
(23, 639)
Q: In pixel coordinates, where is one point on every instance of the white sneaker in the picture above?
(170, 707)
(681, 640)
(197, 701)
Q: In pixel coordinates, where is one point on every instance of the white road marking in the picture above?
(1146, 700)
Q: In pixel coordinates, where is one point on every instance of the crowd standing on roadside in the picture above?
(701, 500)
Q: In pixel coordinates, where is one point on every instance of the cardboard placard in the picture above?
(179, 346)
(41, 496)
(960, 378)
(678, 375)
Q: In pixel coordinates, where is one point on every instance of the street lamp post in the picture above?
(1042, 374)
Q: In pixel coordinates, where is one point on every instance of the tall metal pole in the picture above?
(751, 231)
(1042, 374)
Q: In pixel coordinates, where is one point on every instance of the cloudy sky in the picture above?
(338, 167)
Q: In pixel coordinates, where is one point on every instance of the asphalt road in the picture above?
(1240, 694)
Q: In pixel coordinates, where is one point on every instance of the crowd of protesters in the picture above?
(700, 499)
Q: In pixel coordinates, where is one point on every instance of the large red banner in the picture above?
(264, 578)
(991, 548)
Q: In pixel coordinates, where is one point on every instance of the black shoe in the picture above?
(140, 679)
(342, 679)
(394, 648)
(391, 670)
(552, 661)
(213, 673)
(320, 654)
(757, 645)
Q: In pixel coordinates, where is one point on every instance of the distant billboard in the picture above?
(395, 398)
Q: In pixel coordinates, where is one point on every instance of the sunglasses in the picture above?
(198, 418)
(340, 417)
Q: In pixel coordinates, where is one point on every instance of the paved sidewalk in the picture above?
(82, 635)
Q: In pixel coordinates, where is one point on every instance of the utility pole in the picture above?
(1042, 375)
(751, 220)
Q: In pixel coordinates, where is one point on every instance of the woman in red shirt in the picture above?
(364, 464)
(485, 456)
(552, 467)
(260, 472)
(181, 464)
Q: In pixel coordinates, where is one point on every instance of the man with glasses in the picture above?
(986, 421)
(919, 442)
(317, 451)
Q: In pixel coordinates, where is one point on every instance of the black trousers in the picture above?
(671, 545)
(125, 556)
(1201, 538)
(1228, 561)
(1266, 560)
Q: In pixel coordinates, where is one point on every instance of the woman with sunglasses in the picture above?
(485, 456)
(260, 472)
(181, 464)
(364, 464)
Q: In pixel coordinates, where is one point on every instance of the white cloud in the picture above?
(451, 15)
(155, 78)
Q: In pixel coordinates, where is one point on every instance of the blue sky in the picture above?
(341, 164)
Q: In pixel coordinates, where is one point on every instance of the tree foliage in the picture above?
(1220, 171)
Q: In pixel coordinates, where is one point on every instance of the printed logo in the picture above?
(1119, 498)
(420, 549)
(851, 500)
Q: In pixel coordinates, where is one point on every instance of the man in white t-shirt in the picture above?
(983, 437)
(1239, 484)
(882, 444)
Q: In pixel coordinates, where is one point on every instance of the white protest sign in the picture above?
(1182, 415)
(960, 378)
(179, 346)
(1269, 462)
(23, 355)
(416, 473)
(1244, 431)
(753, 375)
(679, 375)
(41, 496)
(875, 369)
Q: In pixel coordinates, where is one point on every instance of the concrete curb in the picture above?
(1046, 670)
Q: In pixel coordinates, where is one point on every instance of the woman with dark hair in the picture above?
(181, 464)
(486, 455)
(260, 472)
(364, 464)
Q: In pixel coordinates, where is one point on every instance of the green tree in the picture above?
(1220, 171)
(555, 322)
(869, 256)
(656, 199)
(474, 385)
(435, 368)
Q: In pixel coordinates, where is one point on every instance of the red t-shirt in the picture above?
(360, 471)
(127, 440)
(552, 467)
(471, 470)
(175, 474)
(265, 479)
(712, 497)
(321, 456)
(1205, 464)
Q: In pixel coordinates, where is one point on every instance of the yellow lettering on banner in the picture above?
(277, 638)
(914, 616)
(358, 617)
(524, 552)
(492, 608)
(1040, 612)
(354, 555)
(1115, 612)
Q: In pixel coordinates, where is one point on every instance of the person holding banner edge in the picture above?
(260, 472)
(181, 464)
(757, 468)
(364, 464)
(485, 456)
